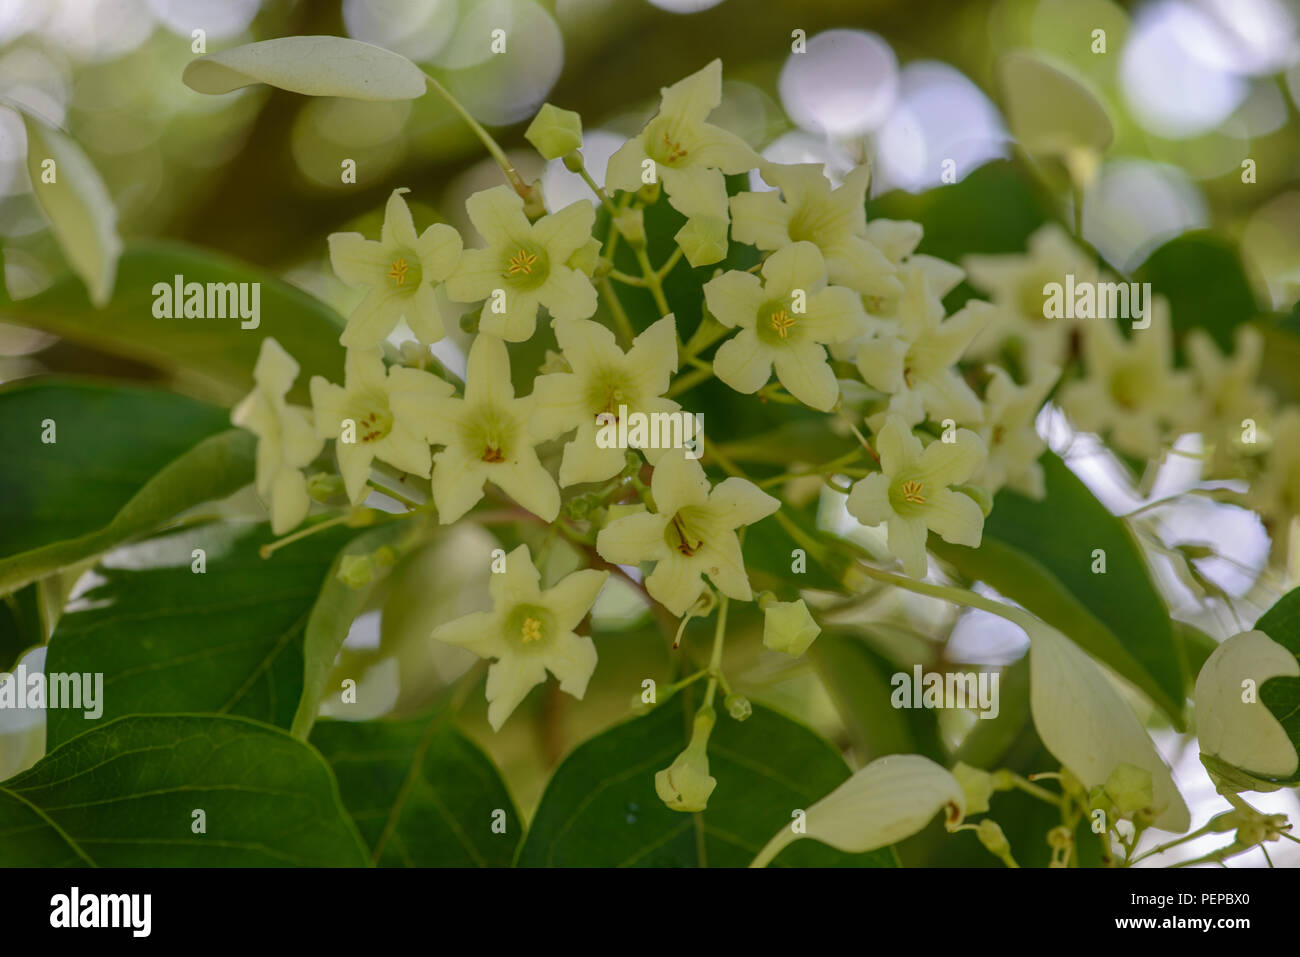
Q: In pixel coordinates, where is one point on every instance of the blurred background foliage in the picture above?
(1193, 87)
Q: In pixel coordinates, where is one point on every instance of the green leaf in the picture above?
(332, 615)
(421, 793)
(124, 461)
(166, 639)
(124, 794)
(1040, 554)
(314, 66)
(22, 626)
(993, 210)
(859, 683)
(1281, 695)
(78, 205)
(600, 808)
(213, 355)
(1202, 276)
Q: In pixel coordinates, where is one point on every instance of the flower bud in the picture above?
(703, 239)
(586, 258)
(976, 784)
(356, 571)
(738, 707)
(685, 785)
(788, 627)
(323, 487)
(555, 132)
(1003, 780)
(384, 557)
(631, 223)
(573, 161)
(649, 193)
(990, 834)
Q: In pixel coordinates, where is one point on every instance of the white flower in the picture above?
(784, 320)
(911, 493)
(1227, 394)
(375, 414)
(888, 800)
(286, 442)
(489, 436)
(529, 632)
(691, 533)
(604, 379)
(914, 364)
(1015, 282)
(525, 264)
(1131, 391)
(400, 270)
(686, 784)
(807, 209)
(1013, 442)
(1244, 733)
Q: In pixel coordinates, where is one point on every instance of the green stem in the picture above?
(600, 193)
(625, 327)
(668, 265)
(688, 381)
(652, 280)
(715, 659)
(394, 495)
(494, 148)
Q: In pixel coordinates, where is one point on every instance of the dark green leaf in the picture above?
(212, 354)
(124, 461)
(1040, 554)
(421, 793)
(124, 795)
(1281, 695)
(167, 639)
(21, 624)
(1201, 274)
(600, 808)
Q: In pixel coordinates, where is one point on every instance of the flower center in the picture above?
(489, 434)
(608, 389)
(776, 322)
(1130, 385)
(912, 490)
(678, 537)
(781, 322)
(673, 150)
(372, 417)
(526, 266)
(404, 270)
(530, 625)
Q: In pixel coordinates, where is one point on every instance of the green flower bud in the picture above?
(703, 239)
(976, 784)
(356, 571)
(1003, 780)
(586, 258)
(990, 834)
(469, 321)
(323, 486)
(363, 517)
(384, 557)
(738, 707)
(573, 161)
(631, 223)
(413, 353)
(788, 627)
(685, 785)
(1130, 788)
(555, 132)
(649, 193)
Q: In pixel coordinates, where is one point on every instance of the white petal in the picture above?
(633, 539)
(797, 266)
(572, 659)
(573, 595)
(509, 681)
(954, 517)
(518, 584)
(743, 362)
(803, 370)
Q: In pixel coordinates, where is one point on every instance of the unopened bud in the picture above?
(555, 132)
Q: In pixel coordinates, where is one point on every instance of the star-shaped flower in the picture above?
(783, 320)
(525, 264)
(489, 436)
(912, 492)
(400, 271)
(529, 632)
(286, 442)
(1015, 282)
(375, 414)
(689, 154)
(914, 364)
(808, 210)
(691, 533)
(1014, 444)
(1131, 391)
(605, 381)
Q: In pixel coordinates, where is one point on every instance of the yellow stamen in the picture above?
(912, 492)
(398, 273)
(532, 630)
(675, 151)
(493, 454)
(522, 262)
(782, 323)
